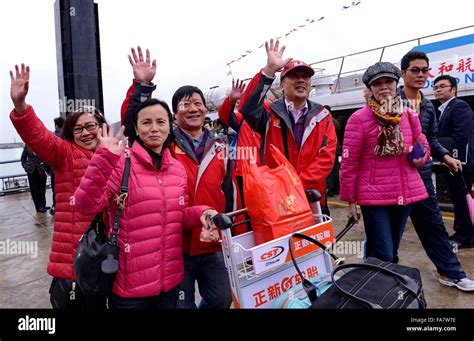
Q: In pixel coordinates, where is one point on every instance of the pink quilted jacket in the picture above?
(377, 180)
(151, 227)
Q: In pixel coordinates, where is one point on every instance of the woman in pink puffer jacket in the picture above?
(156, 209)
(376, 172)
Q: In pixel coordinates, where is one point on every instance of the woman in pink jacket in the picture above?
(156, 209)
(69, 156)
(377, 171)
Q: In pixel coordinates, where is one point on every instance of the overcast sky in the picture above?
(193, 40)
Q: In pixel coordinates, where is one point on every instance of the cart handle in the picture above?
(224, 220)
(313, 195)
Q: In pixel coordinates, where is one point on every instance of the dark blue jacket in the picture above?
(429, 126)
(455, 129)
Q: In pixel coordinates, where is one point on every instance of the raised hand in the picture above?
(237, 91)
(275, 61)
(19, 87)
(143, 70)
(111, 142)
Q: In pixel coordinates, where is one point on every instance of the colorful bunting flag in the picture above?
(307, 22)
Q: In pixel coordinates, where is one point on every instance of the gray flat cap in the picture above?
(379, 70)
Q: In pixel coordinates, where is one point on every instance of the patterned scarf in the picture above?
(388, 115)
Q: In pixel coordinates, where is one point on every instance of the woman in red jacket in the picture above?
(156, 209)
(69, 156)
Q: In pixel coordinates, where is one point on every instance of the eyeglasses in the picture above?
(441, 86)
(89, 127)
(416, 70)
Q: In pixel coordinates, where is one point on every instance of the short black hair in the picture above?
(59, 122)
(413, 55)
(185, 92)
(148, 103)
(452, 81)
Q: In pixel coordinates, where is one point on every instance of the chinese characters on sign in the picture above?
(273, 291)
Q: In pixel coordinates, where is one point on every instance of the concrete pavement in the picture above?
(26, 240)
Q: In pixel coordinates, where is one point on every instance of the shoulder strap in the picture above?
(120, 199)
(309, 288)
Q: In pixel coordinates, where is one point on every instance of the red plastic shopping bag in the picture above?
(275, 199)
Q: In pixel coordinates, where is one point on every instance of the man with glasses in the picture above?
(455, 132)
(426, 214)
(211, 182)
(301, 129)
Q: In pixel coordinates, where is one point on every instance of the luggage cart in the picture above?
(263, 276)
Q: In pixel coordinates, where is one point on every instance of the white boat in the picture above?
(342, 90)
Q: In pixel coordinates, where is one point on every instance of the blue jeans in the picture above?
(211, 275)
(165, 300)
(384, 226)
(428, 222)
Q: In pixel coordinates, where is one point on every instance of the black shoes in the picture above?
(460, 244)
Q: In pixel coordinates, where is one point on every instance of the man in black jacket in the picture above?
(426, 214)
(454, 132)
(35, 170)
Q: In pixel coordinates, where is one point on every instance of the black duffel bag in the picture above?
(96, 260)
(375, 284)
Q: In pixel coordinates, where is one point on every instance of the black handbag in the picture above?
(375, 284)
(96, 260)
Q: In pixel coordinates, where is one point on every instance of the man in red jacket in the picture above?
(301, 129)
(211, 181)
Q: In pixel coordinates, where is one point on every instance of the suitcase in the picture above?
(372, 285)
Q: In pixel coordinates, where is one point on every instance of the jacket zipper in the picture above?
(162, 275)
